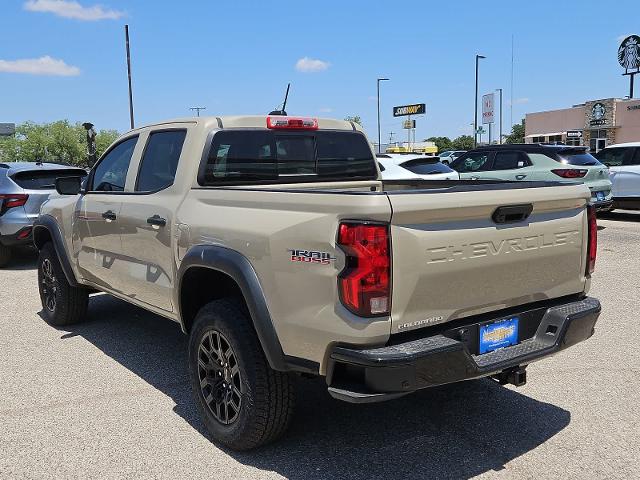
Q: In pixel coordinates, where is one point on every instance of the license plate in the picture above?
(599, 196)
(498, 335)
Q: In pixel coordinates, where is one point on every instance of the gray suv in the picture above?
(24, 186)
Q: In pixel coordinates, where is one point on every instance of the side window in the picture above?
(160, 160)
(635, 160)
(509, 161)
(111, 173)
(472, 162)
(612, 157)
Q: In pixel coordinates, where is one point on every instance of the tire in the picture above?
(62, 304)
(5, 255)
(258, 403)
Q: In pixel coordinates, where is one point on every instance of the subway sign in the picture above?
(416, 109)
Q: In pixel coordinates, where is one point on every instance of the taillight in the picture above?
(570, 172)
(592, 242)
(365, 283)
(10, 200)
(292, 123)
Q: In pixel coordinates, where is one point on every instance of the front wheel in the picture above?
(243, 402)
(62, 303)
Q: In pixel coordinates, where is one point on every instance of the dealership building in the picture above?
(596, 124)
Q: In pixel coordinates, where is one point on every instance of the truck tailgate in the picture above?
(451, 259)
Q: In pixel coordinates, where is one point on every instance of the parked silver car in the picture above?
(24, 186)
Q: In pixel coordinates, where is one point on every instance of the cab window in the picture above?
(110, 173)
(160, 160)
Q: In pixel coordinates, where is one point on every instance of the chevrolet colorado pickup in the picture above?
(278, 249)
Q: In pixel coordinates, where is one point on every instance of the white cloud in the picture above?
(307, 65)
(520, 101)
(70, 9)
(39, 66)
(326, 110)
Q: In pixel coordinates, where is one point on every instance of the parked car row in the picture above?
(24, 186)
(623, 161)
(612, 175)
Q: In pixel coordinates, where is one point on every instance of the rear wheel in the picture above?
(62, 303)
(5, 255)
(243, 402)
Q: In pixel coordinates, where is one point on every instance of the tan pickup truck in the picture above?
(274, 244)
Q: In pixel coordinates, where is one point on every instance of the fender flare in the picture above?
(239, 268)
(49, 223)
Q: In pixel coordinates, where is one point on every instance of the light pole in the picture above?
(500, 137)
(378, 85)
(475, 118)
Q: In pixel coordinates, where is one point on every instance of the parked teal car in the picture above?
(537, 162)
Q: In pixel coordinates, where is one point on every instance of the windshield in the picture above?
(577, 157)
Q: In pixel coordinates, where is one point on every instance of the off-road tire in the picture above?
(5, 255)
(267, 397)
(62, 303)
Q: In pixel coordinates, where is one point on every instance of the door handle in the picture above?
(157, 221)
(109, 216)
(520, 177)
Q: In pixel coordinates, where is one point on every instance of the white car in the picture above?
(623, 161)
(449, 156)
(395, 166)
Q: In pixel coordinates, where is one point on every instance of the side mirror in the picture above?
(68, 185)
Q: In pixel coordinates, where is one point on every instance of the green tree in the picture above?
(104, 138)
(354, 119)
(463, 142)
(517, 134)
(443, 143)
(59, 142)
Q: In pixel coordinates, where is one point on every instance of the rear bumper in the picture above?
(23, 237)
(377, 374)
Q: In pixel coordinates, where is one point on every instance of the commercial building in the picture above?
(596, 124)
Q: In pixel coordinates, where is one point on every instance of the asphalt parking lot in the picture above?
(110, 399)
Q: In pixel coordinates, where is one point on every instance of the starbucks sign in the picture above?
(598, 111)
(629, 53)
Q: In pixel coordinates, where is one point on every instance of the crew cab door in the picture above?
(97, 218)
(147, 220)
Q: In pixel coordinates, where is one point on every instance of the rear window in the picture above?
(425, 167)
(577, 157)
(261, 155)
(43, 179)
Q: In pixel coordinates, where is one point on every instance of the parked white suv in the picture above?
(399, 166)
(623, 161)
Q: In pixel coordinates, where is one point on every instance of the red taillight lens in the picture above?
(365, 283)
(290, 123)
(10, 200)
(570, 172)
(592, 243)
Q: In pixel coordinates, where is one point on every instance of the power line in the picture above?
(197, 109)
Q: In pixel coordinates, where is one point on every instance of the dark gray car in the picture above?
(24, 186)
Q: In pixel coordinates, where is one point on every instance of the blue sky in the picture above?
(65, 59)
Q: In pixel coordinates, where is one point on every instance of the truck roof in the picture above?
(253, 121)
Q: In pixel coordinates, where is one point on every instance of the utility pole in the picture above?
(500, 137)
(378, 85)
(475, 118)
(197, 109)
(126, 35)
(511, 89)
(391, 134)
